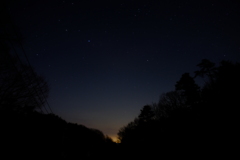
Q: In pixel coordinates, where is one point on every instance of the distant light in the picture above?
(114, 138)
(88, 40)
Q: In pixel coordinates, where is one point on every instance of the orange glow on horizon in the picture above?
(114, 138)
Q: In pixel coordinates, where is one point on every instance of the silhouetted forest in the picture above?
(26, 132)
(191, 120)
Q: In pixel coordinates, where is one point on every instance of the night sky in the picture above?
(105, 60)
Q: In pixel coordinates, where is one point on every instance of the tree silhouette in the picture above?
(202, 119)
(127, 134)
(146, 114)
(207, 68)
(26, 133)
(189, 88)
(20, 87)
(167, 102)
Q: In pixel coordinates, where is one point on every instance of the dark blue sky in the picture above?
(105, 60)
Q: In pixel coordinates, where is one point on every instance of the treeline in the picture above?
(26, 132)
(191, 120)
(37, 135)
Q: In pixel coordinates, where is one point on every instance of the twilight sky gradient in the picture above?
(105, 60)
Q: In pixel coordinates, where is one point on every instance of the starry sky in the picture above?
(105, 60)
